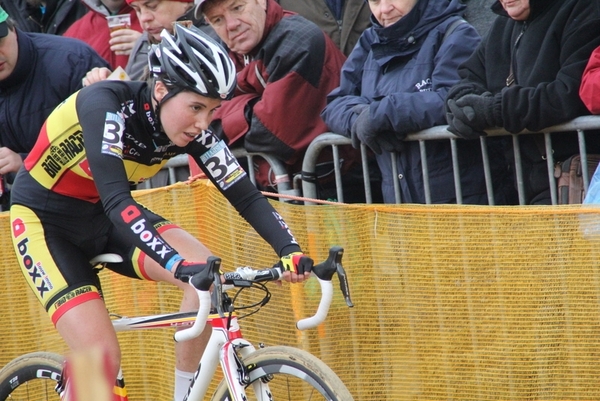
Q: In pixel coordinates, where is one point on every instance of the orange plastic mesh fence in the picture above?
(451, 302)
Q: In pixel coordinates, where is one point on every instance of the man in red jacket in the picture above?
(114, 46)
(286, 67)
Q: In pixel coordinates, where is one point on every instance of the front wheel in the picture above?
(291, 374)
(31, 377)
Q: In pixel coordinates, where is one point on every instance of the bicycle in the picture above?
(267, 373)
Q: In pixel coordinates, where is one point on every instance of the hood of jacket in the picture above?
(405, 37)
(536, 7)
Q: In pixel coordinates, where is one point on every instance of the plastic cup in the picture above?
(116, 22)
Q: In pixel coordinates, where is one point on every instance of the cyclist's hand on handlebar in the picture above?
(187, 269)
(296, 266)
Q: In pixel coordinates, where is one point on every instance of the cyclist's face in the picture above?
(239, 23)
(156, 15)
(9, 53)
(388, 12)
(185, 115)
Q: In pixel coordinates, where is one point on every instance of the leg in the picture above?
(67, 287)
(82, 333)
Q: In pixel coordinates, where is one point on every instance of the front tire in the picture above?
(31, 377)
(292, 375)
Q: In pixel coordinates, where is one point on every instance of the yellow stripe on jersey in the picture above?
(137, 172)
(64, 147)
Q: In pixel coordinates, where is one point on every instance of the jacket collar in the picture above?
(406, 35)
(274, 15)
(25, 61)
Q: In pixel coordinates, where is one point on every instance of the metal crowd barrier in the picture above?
(329, 139)
(308, 188)
(283, 183)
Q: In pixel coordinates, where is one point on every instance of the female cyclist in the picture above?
(71, 200)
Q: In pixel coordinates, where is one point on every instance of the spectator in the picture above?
(48, 16)
(155, 16)
(479, 14)
(37, 73)
(526, 74)
(93, 29)
(286, 66)
(343, 20)
(394, 83)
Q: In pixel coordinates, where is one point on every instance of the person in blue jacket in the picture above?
(37, 72)
(394, 82)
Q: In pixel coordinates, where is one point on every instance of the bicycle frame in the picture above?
(221, 348)
(226, 340)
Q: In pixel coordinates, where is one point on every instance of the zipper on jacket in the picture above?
(511, 76)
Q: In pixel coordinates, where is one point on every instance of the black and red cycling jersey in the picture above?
(106, 138)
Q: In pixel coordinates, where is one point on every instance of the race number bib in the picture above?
(222, 165)
(112, 139)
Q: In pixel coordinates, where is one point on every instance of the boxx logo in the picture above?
(35, 270)
(134, 218)
(18, 227)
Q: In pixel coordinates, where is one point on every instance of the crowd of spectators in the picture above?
(373, 71)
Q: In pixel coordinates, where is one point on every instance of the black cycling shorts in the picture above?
(55, 242)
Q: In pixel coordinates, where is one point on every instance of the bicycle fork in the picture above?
(236, 374)
(227, 347)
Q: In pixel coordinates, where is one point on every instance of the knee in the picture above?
(112, 362)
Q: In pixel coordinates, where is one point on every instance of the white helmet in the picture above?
(192, 60)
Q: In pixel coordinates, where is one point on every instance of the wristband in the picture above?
(174, 259)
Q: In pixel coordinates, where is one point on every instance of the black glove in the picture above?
(296, 262)
(471, 114)
(364, 131)
(455, 93)
(459, 90)
(460, 129)
(186, 269)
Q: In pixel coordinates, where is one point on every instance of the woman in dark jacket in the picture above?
(395, 82)
(526, 75)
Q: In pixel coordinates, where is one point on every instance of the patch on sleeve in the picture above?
(222, 165)
(112, 140)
